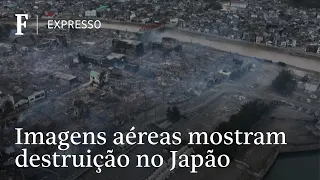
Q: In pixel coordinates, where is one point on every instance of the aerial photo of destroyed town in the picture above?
(162, 66)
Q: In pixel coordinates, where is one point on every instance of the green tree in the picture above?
(173, 114)
(284, 83)
(8, 107)
(249, 114)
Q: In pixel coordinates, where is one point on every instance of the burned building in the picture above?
(171, 43)
(33, 95)
(91, 58)
(27, 40)
(113, 59)
(80, 109)
(47, 42)
(167, 45)
(146, 73)
(132, 67)
(237, 61)
(5, 30)
(130, 47)
(62, 40)
(156, 45)
(65, 79)
(314, 48)
(116, 59)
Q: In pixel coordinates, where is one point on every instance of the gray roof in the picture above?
(64, 76)
(28, 92)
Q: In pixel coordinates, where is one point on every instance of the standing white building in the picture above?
(92, 13)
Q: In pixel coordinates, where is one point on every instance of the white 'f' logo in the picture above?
(20, 24)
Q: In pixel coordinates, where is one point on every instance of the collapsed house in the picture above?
(132, 67)
(314, 48)
(80, 108)
(91, 58)
(5, 49)
(167, 45)
(27, 40)
(171, 43)
(130, 47)
(65, 79)
(62, 40)
(6, 30)
(116, 59)
(47, 42)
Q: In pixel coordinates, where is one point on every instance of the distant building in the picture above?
(132, 16)
(259, 39)
(174, 22)
(49, 14)
(283, 44)
(234, 5)
(237, 4)
(92, 13)
(145, 20)
(292, 43)
(225, 72)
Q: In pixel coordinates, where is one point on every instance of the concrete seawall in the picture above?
(299, 148)
(269, 163)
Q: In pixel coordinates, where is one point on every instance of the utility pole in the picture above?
(155, 114)
(22, 174)
(162, 92)
(145, 106)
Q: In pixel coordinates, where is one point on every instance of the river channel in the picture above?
(301, 62)
(296, 166)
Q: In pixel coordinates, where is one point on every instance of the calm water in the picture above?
(296, 166)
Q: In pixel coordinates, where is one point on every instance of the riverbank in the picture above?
(308, 61)
(289, 51)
